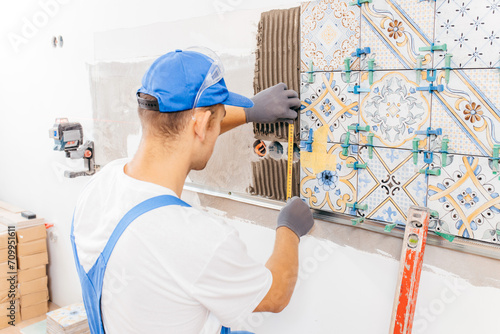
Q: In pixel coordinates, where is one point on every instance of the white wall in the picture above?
(40, 83)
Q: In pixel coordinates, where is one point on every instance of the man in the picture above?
(162, 266)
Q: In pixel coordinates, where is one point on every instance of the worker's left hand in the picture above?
(274, 104)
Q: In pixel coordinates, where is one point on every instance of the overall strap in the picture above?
(138, 210)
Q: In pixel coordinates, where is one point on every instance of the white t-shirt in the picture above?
(174, 270)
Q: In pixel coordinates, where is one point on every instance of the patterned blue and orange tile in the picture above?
(330, 32)
(394, 108)
(390, 183)
(466, 196)
(395, 30)
(328, 102)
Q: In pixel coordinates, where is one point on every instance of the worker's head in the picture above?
(183, 94)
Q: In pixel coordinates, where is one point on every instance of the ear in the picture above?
(201, 119)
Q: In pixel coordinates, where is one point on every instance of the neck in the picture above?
(160, 165)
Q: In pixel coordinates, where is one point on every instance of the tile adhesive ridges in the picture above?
(269, 178)
(277, 60)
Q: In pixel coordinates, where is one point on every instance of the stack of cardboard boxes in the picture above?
(32, 258)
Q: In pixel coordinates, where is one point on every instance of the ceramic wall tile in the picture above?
(395, 30)
(464, 103)
(327, 102)
(468, 111)
(394, 108)
(327, 183)
(471, 31)
(330, 33)
(390, 184)
(466, 195)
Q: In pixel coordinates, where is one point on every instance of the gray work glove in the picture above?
(297, 216)
(274, 104)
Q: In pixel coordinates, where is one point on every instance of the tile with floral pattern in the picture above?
(330, 32)
(394, 108)
(327, 102)
(466, 196)
(330, 186)
(471, 31)
(468, 111)
(394, 30)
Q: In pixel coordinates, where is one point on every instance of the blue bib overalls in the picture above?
(92, 280)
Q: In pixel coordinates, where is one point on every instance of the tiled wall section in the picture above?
(404, 85)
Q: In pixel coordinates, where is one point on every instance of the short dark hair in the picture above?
(165, 124)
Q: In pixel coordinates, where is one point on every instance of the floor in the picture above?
(18, 327)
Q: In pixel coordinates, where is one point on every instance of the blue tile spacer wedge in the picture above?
(428, 157)
(359, 52)
(431, 88)
(431, 77)
(357, 89)
(429, 132)
(307, 144)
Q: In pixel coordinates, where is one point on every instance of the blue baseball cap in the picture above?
(178, 79)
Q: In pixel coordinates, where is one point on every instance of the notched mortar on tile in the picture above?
(277, 60)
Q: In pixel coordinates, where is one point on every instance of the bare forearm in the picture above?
(235, 116)
(283, 264)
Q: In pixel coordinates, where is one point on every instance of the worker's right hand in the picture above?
(274, 104)
(297, 216)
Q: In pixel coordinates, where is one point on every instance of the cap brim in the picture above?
(238, 100)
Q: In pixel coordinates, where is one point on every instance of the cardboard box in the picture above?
(34, 310)
(31, 233)
(8, 288)
(5, 308)
(9, 207)
(3, 236)
(31, 273)
(16, 219)
(26, 288)
(32, 247)
(4, 255)
(10, 320)
(7, 268)
(30, 261)
(35, 298)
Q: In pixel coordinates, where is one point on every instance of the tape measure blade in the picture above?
(291, 134)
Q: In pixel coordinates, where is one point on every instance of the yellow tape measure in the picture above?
(291, 134)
